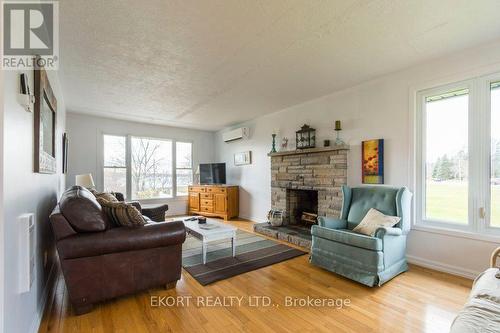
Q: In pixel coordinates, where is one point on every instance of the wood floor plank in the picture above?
(420, 300)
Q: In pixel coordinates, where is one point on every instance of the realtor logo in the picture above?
(30, 29)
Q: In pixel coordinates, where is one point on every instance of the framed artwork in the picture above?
(44, 124)
(372, 161)
(243, 158)
(65, 144)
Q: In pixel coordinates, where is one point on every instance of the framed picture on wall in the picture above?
(372, 161)
(44, 124)
(243, 158)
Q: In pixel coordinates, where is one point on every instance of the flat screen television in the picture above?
(213, 173)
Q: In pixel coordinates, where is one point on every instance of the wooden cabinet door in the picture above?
(220, 203)
(194, 201)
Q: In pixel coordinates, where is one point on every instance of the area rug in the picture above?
(252, 252)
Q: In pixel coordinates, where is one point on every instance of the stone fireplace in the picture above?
(303, 180)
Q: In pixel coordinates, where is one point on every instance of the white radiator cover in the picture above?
(26, 225)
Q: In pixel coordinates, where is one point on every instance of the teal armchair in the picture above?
(365, 259)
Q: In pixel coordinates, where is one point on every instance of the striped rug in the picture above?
(252, 252)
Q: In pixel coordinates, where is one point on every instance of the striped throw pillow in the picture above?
(122, 214)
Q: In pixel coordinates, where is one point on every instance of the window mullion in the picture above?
(174, 168)
(128, 161)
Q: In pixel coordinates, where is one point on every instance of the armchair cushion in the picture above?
(332, 222)
(373, 220)
(121, 240)
(348, 237)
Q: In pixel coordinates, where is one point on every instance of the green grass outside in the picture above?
(448, 201)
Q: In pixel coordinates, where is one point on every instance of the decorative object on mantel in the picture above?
(305, 137)
(275, 217)
(372, 157)
(243, 158)
(65, 143)
(24, 97)
(85, 180)
(326, 143)
(284, 144)
(274, 134)
(338, 128)
(45, 124)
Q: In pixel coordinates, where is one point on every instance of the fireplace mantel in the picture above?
(309, 151)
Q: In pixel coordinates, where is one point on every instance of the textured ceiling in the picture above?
(212, 63)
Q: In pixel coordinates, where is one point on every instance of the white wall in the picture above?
(86, 148)
(26, 192)
(380, 108)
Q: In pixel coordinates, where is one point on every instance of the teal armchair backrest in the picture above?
(394, 201)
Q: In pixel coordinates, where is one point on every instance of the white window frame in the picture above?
(479, 132)
(128, 152)
(176, 168)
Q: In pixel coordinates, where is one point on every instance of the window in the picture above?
(446, 157)
(495, 155)
(146, 168)
(115, 164)
(184, 167)
(151, 168)
(458, 156)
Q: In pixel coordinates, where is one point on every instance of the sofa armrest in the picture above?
(383, 231)
(122, 239)
(332, 222)
(157, 213)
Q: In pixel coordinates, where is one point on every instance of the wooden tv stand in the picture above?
(214, 200)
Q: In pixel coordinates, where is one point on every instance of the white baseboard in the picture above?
(442, 267)
(37, 320)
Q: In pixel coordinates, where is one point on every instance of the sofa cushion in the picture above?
(121, 213)
(105, 195)
(82, 211)
(348, 237)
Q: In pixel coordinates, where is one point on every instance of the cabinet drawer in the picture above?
(207, 196)
(216, 190)
(207, 209)
(197, 189)
(208, 203)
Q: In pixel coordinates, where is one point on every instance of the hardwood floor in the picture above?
(420, 300)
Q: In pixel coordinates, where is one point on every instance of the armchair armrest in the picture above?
(122, 239)
(332, 222)
(383, 231)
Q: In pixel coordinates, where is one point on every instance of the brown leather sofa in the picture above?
(101, 261)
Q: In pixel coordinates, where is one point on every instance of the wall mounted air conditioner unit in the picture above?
(236, 134)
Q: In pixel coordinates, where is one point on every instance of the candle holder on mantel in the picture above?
(273, 149)
(338, 128)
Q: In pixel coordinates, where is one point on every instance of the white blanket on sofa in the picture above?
(481, 313)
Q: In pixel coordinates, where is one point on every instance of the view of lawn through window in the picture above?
(447, 160)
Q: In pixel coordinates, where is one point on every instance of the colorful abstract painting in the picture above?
(372, 157)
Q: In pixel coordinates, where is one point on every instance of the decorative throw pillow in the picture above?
(105, 195)
(374, 220)
(121, 213)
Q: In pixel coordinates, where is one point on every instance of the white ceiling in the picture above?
(212, 63)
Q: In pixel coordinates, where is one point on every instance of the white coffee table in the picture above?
(220, 232)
